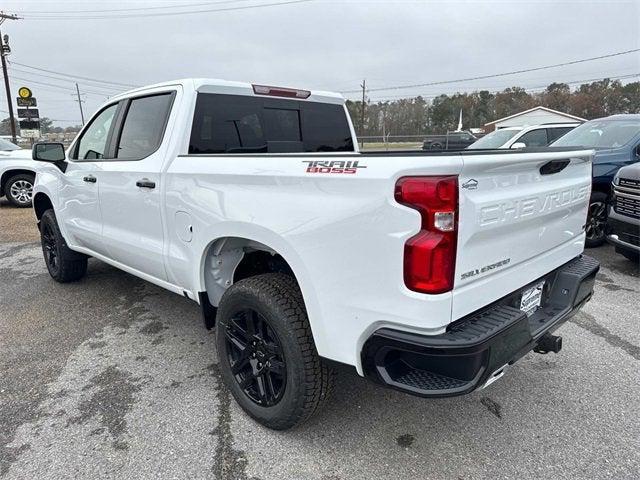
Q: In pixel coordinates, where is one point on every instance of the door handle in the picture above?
(144, 183)
(554, 166)
(90, 179)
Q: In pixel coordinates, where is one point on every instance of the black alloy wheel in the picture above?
(255, 356)
(268, 359)
(49, 247)
(596, 227)
(64, 265)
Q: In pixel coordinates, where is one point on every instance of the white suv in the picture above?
(522, 137)
(17, 174)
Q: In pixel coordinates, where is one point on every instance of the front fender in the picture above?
(605, 166)
(47, 182)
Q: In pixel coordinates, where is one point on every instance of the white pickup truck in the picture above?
(429, 272)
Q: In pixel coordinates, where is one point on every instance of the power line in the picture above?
(28, 80)
(158, 14)
(483, 77)
(190, 5)
(57, 90)
(127, 85)
(27, 72)
(536, 89)
(527, 89)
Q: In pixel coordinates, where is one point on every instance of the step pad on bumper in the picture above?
(463, 358)
(424, 380)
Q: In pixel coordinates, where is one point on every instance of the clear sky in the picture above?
(322, 44)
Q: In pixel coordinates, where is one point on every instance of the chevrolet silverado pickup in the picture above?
(428, 272)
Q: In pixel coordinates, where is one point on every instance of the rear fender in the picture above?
(277, 244)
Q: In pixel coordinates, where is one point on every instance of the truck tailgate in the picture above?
(521, 215)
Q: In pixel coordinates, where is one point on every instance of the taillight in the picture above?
(430, 255)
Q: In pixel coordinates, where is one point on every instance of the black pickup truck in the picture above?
(624, 215)
(449, 141)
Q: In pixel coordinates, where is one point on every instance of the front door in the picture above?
(79, 186)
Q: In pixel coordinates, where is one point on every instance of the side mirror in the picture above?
(518, 145)
(48, 152)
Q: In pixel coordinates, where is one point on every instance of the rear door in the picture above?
(521, 216)
(130, 185)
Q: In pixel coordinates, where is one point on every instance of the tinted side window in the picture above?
(227, 124)
(143, 126)
(93, 143)
(243, 124)
(325, 128)
(556, 133)
(534, 138)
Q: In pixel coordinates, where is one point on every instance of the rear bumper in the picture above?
(476, 347)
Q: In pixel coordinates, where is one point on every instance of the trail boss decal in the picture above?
(349, 167)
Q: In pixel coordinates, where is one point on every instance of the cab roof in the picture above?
(219, 86)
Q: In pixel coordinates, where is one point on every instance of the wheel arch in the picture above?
(243, 251)
(229, 259)
(7, 174)
(41, 203)
(601, 187)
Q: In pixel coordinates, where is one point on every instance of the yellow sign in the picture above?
(24, 92)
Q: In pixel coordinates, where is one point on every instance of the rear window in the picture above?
(601, 134)
(556, 133)
(535, 138)
(244, 124)
(495, 139)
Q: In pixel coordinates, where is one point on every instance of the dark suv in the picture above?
(624, 215)
(616, 140)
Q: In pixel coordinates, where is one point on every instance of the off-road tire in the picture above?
(68, 266)
(20, 179)
(277, 299)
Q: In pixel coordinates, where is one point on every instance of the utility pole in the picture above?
(80, 104)
(4, 51)
(364, 89)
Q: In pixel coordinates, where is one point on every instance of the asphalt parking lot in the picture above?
(113, 377)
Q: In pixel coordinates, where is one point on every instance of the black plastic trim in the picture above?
(473, 348)
(208, 310)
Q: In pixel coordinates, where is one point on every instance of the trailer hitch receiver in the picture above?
(548, 343)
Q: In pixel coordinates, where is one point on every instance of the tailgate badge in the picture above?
(471, 184)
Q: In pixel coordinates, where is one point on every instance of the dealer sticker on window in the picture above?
(531, 299)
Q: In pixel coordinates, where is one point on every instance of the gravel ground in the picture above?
(115, 378)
